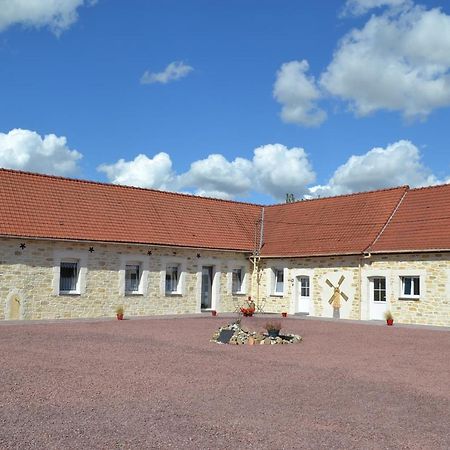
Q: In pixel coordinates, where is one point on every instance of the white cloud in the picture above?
(298, 94)
(215, 176)
(142, 171)
(279, 170)
(58, 15)
(174, 71)
(27, 150)
(359, 7)
(397, 62)
(274, 170)
(397, 164)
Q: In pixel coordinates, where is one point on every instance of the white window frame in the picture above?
(136, 260)
(175, 269)
(373, 290)
(80, 257)
(304, 277)
(276, 271)
(181, 263)
(398, 285)
(272, 282)
(77, 283)
(245, 275)
(413, 283)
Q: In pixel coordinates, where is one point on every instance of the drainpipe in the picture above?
(256, 256)
(364, 256)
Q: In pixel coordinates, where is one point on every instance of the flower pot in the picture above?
(119, 316)
(390, 322)
(284, 314)
(273, 333)
(214, 313)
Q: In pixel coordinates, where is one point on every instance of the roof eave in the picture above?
(151, 244)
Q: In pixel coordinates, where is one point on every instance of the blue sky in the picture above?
(241, 99)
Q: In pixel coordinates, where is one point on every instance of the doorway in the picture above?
(206, 289)
(378, 305)
(304, 295)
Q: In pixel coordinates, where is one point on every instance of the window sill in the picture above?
(132, 294)
(415, 299)
(277, 294)
(238, 293)
(174, 294)
(69, 293)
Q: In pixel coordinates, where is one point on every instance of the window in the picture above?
(379, 289)
(304, 286)
(237, 280)
(279, 281)
(410, 287)
(68, 277)
(132, 278)
(172, 278)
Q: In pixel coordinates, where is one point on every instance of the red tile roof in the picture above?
(347, 224)
(42, 206)
(389, 220)
(421, 222)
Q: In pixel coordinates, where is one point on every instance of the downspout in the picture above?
(256, 255)
(365, 255)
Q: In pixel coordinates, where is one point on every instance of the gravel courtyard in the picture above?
(160, 383)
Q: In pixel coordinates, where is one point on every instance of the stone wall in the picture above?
(432, 307)
(318, 269)
(30, 276)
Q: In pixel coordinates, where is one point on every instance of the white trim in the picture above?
(366, 276)
(13, 294)
(245, 276)
(215, 288)
(81, 258)
(181, 286)
(144, 266)
(296, 274)
(421, 273)
(271, 285)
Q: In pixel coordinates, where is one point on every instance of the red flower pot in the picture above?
(284, 314)
(214, 313)
(390, 322)
(119, 316)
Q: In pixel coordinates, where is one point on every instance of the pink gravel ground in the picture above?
(160, 383)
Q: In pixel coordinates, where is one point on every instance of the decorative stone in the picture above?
(241, 336)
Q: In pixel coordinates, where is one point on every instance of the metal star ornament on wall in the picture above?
(22, 245)
(91, 249)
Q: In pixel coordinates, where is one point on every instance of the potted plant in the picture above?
(284, 314)
(214, 313)
(273, 329)
(119, 312)
(250, 309)
(389, 318)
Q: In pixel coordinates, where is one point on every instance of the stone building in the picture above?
(72, 248)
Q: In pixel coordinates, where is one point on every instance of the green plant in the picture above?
(273, 326)
(120, 310)
(388, 315)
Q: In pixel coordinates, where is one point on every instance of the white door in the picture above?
(377, 298)
(206, 292)
(304, 297)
